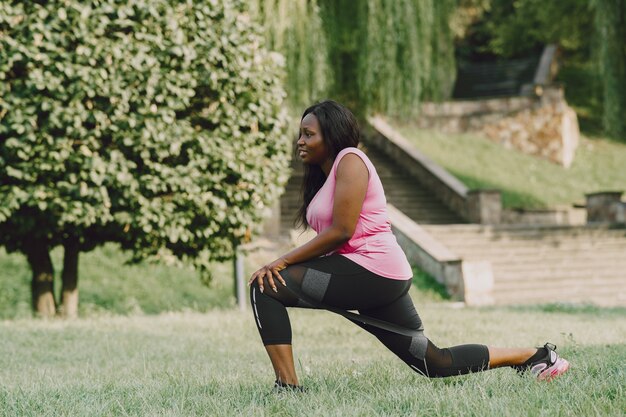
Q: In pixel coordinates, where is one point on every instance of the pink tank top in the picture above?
(373, 245)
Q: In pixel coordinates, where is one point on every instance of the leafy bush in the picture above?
(156, 124)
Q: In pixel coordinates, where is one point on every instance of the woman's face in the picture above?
(311, 146)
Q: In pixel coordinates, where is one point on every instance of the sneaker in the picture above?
(547, 367)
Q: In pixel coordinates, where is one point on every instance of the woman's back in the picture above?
(372, 245)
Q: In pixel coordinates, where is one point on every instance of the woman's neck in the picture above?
(327, 166)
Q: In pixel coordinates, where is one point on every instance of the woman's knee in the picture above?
(255, 291)
(282, 294)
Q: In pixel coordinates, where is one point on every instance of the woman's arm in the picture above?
(350, 189)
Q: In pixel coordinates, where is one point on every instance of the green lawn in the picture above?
(525, 181)
(130, 355)
(213, 364)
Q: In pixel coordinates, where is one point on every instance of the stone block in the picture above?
(477, 283)
(484, 206)
(606, 207)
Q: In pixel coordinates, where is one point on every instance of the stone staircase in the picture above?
(408, 195)
(541, 264)
(401, 190)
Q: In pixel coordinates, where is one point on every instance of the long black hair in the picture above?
(340, 130)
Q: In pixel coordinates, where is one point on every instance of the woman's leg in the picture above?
(274, 326)
(426, 358)
(331, 280)
(499, 357)
(419, 352)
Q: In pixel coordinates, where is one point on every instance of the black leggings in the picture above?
(339, 282)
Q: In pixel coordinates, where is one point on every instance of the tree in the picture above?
(156, 125)
(372, 55)
(611, 30)
(515, 28)
(590, 36)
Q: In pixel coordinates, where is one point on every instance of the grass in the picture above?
(190, 364)
(427, 289)
(525, 181)
(129, 355)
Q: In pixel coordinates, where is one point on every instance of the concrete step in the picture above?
(605, 251)
(541, 271)
(600, 297)
(521, 234)
(545, 264)
(534, 294)
(567, 279)
(541, 277)
(563, 241)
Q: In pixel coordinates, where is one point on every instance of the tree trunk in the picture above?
(42, 284)
(70, 279)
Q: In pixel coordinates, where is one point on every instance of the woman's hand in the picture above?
(270, 271)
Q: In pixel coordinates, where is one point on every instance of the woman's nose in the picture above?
(300, 140)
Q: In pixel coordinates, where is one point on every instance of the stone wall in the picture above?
(468, 281)
(542, 125)
(560, 215)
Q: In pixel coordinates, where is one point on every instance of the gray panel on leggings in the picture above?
(418, 346)
(315, 284)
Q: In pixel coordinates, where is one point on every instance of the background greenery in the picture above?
(142, 347)
(111, 286)
(373, 55)
(114, 287)
(591, 49)
(157, 125)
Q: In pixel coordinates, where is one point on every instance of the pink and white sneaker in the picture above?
(546, 368)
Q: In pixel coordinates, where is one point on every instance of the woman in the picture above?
(355, 263)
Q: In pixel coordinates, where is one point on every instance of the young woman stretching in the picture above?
(355, 263)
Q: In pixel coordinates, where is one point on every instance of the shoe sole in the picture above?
(559, 368)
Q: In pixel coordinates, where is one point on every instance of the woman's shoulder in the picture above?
(356, 151)
(353, 150)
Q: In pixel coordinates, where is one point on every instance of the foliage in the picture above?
(583, 92)
(371, 55)
(428, 289)
(514, 28)
(294, 27)
(406, 54)
(611, 29)
(154, 124)
(147, 288)
(590, 36)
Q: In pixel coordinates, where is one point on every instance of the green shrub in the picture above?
(156, 124)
